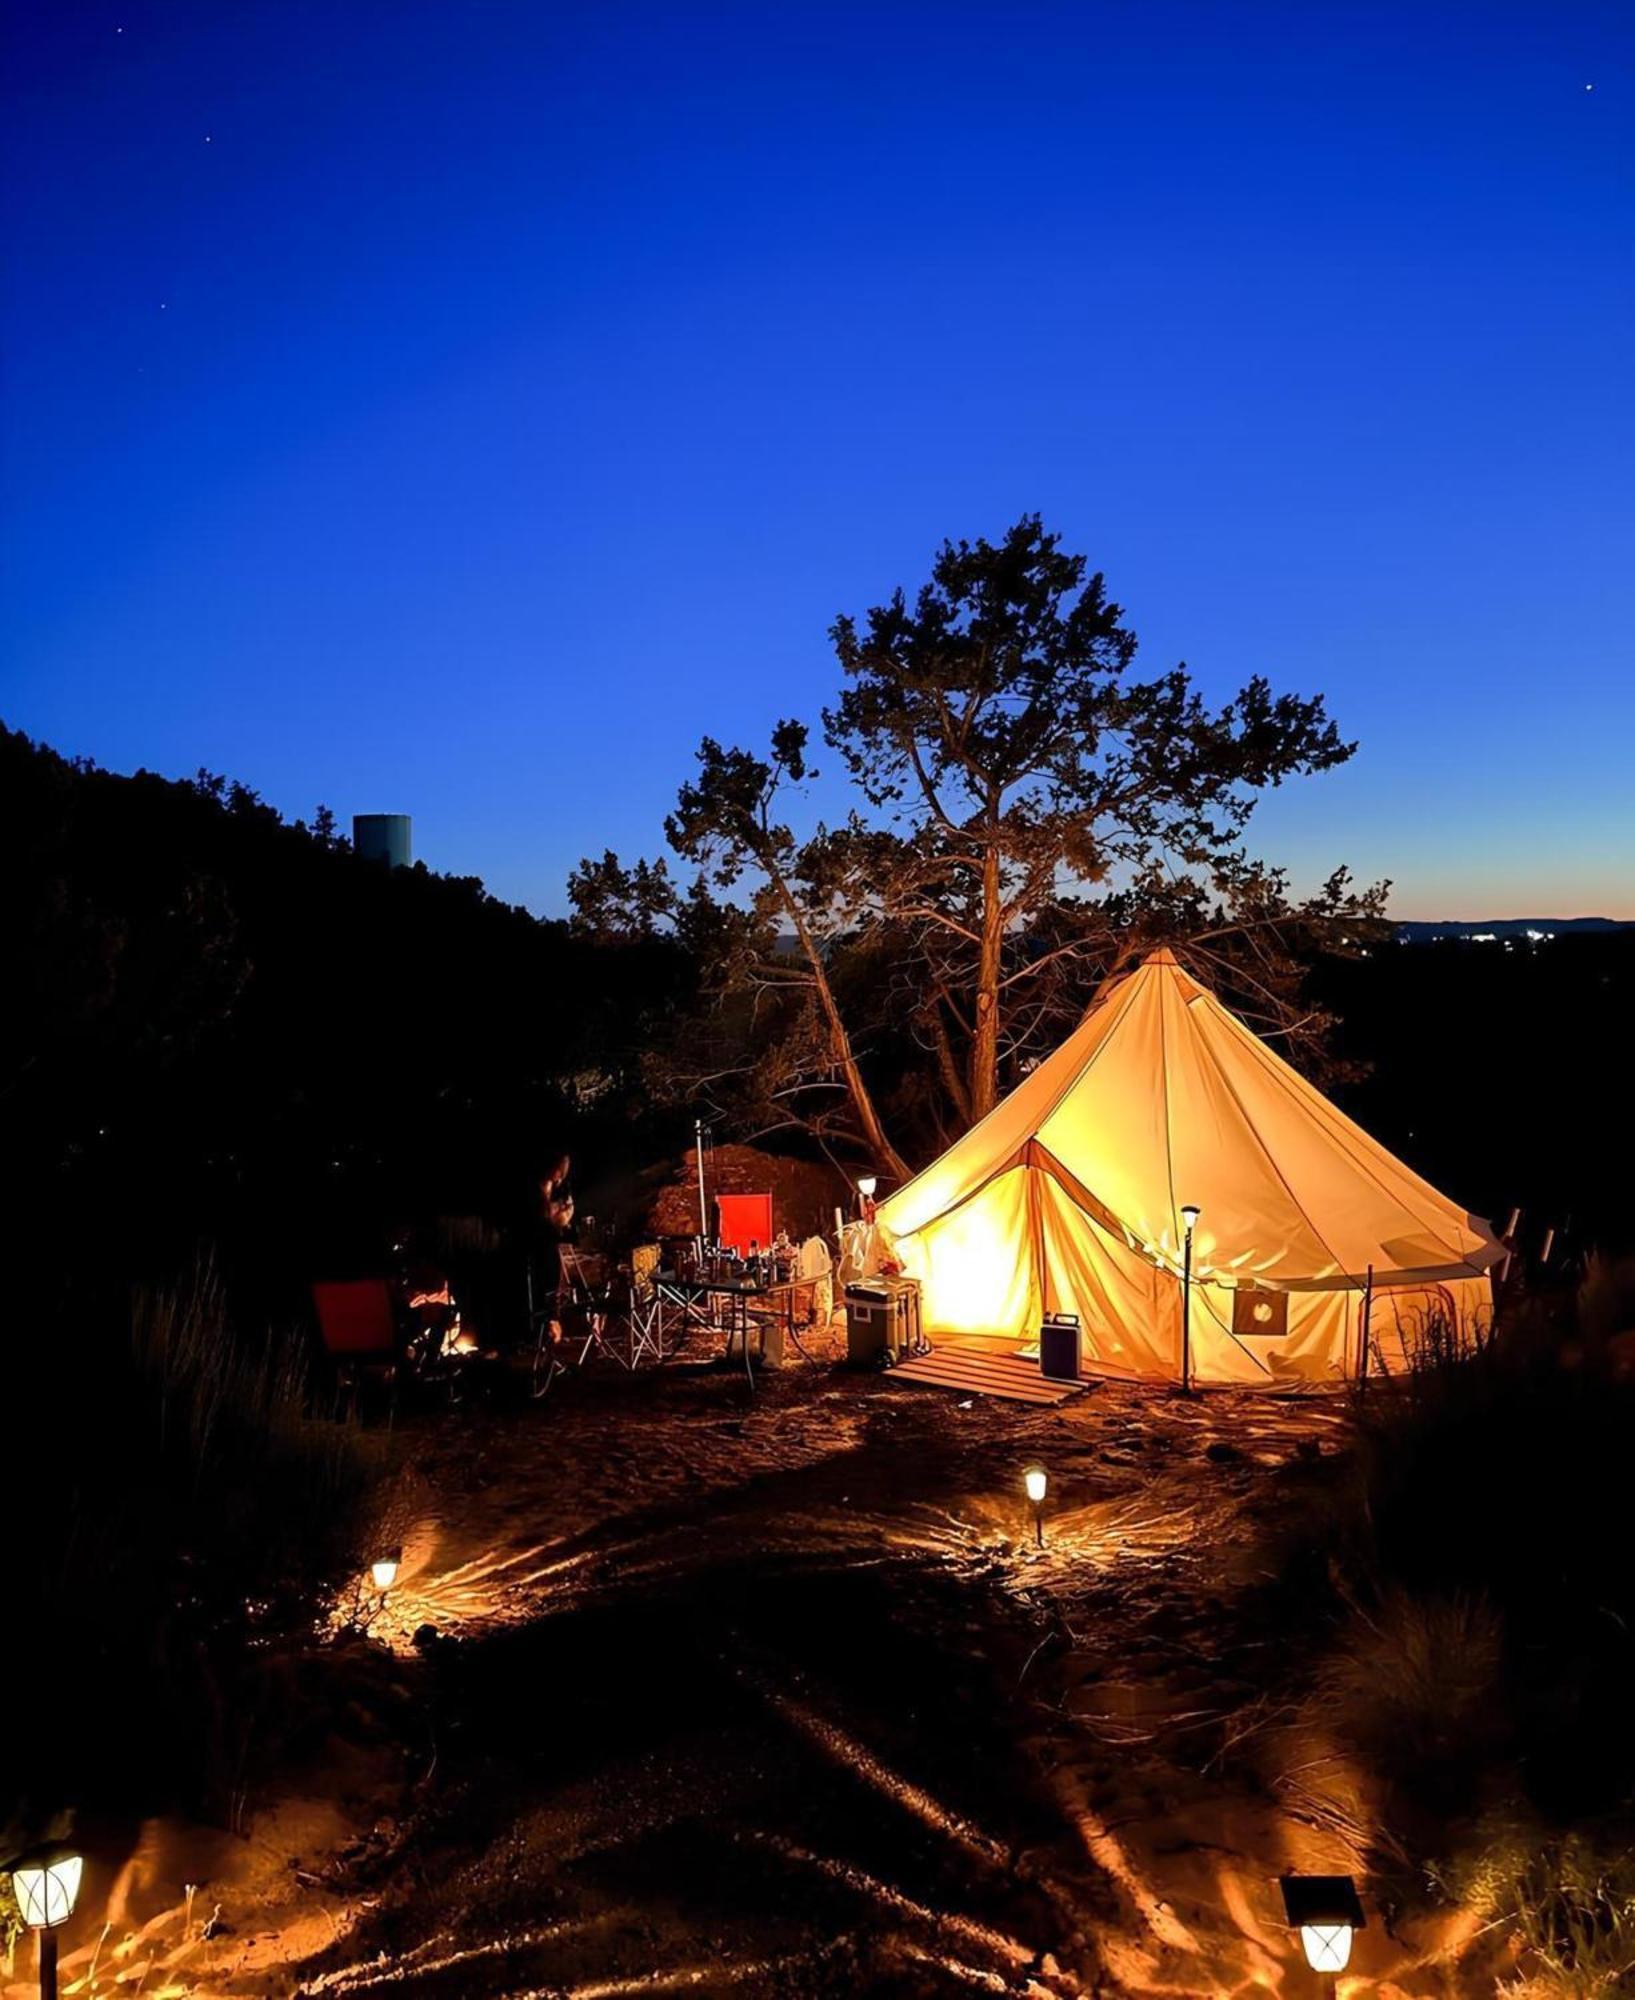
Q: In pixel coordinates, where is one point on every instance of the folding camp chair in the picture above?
(744, 1222)
(593, 1297)
(358, 1326)
(645, 1313)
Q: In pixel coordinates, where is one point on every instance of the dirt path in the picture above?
(780, 1698)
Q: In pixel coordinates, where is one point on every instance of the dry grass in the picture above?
(180, 1513)
(1469, 1727)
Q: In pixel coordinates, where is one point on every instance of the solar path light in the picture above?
(1034, 1483)
(1325, 1910)
(46, 1885)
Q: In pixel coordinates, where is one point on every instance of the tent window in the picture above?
(1259, 1315)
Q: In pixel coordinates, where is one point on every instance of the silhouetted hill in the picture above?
(219, 1025)
(1501, 1074)
(1508, 927)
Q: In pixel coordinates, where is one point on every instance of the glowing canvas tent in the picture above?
(1067, 1197)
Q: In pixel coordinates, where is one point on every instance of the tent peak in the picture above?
(1161, 956)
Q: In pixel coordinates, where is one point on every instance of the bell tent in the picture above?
(1069, 1198)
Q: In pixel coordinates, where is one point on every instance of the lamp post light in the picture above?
(1326, 1911)
(1034, 1483)
(46, 1885)
(1189, 1215)
(382, 1575)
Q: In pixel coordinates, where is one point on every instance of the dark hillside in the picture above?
(1502, 1072)
(216, 1025)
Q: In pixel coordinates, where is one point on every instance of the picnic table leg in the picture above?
(741, 1303)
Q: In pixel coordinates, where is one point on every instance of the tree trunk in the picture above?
(868, 1119)
(947, 1065)
(984, 1066)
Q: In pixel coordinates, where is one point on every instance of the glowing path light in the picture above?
(1326, 1911)
(46, 1885)
(1035, 1482)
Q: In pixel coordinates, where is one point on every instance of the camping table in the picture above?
(696, 1297)
(741, 1295)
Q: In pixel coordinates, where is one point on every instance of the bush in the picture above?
(1569, 1905)
(1475, 1678)
(177, 1517)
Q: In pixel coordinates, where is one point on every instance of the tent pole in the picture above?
(1367, 1326)
(1186, 1315)
(703, 1213)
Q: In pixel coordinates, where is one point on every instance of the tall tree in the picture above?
(1032, 816)
(1041, 804)
(791, 1051)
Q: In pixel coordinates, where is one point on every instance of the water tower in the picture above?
(382, 837)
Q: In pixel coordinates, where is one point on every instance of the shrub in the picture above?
(177, 1515)
(1475, 1675)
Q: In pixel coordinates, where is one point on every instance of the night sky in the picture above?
(460, 408)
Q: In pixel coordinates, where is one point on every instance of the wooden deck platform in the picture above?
(981, 1369)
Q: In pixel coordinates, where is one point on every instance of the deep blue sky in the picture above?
(459, 408)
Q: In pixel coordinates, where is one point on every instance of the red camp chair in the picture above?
(358, 1326)
(743, 1219)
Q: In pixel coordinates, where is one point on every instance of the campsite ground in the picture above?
(778, 1697)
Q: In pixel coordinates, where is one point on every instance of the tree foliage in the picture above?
(1046, 811)
(1031, 814)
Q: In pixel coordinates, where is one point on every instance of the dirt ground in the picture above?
(684, 1691)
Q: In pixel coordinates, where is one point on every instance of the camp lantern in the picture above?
(866, 1184)
(384, 1573)
(1189, 1215)
(1325, 1910)
(46, 1885)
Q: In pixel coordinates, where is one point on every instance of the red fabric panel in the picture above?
(743, 1219)
(355, 1317)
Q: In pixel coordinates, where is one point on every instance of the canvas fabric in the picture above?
(1067, 1197)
